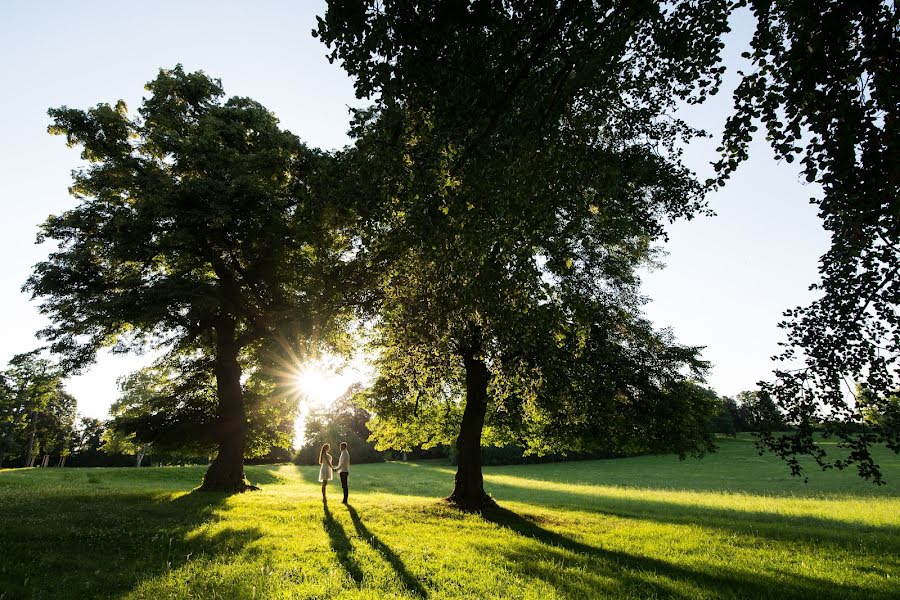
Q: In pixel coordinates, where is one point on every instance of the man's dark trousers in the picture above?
(344, 483)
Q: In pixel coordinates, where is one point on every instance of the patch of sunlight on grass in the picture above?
(849, 508)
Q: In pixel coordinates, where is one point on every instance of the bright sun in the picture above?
(320, 382)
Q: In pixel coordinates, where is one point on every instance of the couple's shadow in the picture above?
(340, 543)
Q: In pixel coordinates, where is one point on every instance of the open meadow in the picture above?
(732, 525)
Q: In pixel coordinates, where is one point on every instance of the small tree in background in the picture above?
(170, 408)
(55, 426)
(28, 387)
(343, 421)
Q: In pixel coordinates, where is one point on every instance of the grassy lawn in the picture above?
(730, 525)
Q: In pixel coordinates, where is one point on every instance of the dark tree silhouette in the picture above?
(199, 225)
(824, 85)
(522, 159)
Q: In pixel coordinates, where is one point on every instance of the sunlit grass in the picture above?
(731, 525)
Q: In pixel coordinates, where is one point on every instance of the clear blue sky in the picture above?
(727, 280)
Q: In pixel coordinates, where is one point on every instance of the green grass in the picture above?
(730, 525)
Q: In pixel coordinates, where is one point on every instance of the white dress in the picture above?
(325, 472)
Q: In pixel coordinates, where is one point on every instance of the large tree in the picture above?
(825, 86)
(200, 225)
(523, 159)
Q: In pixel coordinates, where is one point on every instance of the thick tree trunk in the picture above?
(468, 493)
(2, 456)
(46, 462)
(226, 473)
(29, 456)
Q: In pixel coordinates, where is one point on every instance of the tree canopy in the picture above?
(35, 410)
(201, 226)
(524, 161)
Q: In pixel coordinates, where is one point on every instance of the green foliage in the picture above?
(88, 435)
(522, 161)
(885, 413)
(200, 208)
(170, 410)
(823, 85)
(55, 424)
(724, 419)
(35, 411)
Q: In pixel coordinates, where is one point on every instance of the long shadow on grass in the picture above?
(406, 578)
(62, 542)
(771, 525)
(340, 543)
(629, 568)
(760, 524)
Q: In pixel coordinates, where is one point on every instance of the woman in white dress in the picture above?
(326, 471)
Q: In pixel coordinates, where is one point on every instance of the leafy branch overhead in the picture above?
(824, 87)
(525, 161)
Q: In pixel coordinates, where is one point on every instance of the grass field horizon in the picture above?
(730, 525)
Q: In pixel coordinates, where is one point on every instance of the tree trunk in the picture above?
(46, 462)
(29, 456)
(2, 456)
(139, 456)
(468, 493)
(226, 473)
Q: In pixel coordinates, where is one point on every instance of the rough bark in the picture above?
(226, 473)
(468, 492)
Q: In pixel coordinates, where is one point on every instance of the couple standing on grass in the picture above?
(326, 471)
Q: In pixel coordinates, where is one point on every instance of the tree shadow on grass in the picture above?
(771, 525)
(61, 542)
(406, 578)
(341, 545)
(779, 527)
(637, 573)
(262, 474)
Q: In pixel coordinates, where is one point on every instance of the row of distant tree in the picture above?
(37, 415)
(39, 425)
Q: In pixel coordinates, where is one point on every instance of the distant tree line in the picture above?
(748, 411)
(37, 415)
(39, 424)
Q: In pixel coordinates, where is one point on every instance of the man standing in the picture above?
(343, 469)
